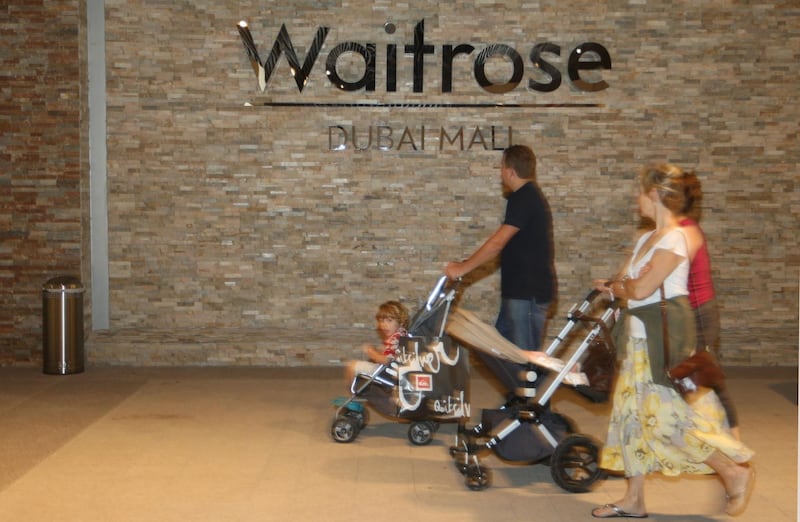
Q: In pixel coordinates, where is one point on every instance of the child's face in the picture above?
(386, 326)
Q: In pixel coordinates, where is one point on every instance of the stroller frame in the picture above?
(351, 414)
(573, 458)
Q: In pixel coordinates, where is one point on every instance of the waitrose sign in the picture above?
(583, 57)
(544, 77)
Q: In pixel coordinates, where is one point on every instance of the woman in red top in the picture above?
(701, 285)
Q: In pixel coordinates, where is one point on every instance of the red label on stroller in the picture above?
(423, 382)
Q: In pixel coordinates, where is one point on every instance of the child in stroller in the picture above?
(391, 323)
(525, 429)
(424, 382)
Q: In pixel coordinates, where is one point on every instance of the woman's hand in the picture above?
(602, 285)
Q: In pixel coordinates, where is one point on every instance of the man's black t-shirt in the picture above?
(526, 262)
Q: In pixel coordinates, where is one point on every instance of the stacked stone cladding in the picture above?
(236, 236)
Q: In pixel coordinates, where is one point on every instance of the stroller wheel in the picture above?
(477, 478)
(421, 433)
(573, 464)
(361, 417)
(344, 429)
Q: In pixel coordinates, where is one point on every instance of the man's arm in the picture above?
(490, 249)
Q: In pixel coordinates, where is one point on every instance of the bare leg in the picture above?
(738, 480)
(349, 373)
(632, 503)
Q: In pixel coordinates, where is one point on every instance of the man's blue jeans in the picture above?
(522, 322)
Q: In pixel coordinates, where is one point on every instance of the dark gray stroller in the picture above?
(426, 384)
(525, 429)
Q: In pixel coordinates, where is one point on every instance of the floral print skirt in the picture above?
(652, 429)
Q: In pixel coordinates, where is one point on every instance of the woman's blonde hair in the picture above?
(393, 310)
(668, 180)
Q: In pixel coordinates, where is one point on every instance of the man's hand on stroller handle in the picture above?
(454, 270)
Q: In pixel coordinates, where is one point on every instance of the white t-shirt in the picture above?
(676, 282)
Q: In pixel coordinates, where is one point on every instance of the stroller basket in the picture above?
(525, 443)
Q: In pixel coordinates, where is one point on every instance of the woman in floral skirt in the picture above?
(652, 429)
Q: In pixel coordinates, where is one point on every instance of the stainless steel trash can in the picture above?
(62, 314)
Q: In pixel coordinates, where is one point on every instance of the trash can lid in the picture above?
(61, 283)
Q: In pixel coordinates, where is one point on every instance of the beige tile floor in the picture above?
(235, 444)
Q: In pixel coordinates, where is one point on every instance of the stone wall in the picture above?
(237, 236)
(41, 164)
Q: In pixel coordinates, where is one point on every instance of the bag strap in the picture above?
(664, 328)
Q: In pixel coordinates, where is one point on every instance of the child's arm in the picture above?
(375, 355)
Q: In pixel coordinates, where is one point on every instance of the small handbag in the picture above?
(600, 367)
(699, 369)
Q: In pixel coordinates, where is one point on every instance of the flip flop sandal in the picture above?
(616, 512)
(737, 502)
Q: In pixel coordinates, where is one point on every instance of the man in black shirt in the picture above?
(524, 243)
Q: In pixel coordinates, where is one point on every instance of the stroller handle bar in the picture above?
(594, 293)
(435, 292)
(575, 314)
(440, 298)
(591, 295)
